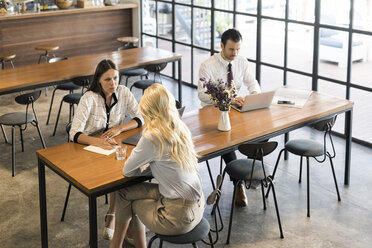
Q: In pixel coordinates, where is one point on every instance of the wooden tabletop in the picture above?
(93, 172)
(254, 124)
(38, 75)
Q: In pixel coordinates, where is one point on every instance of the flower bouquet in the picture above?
(220, 93)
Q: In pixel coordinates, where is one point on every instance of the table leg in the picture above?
(348, 139)
(93, 222)
(286, 138)
(43, 205)
(180, 81)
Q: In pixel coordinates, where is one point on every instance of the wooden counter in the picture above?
(76, 31)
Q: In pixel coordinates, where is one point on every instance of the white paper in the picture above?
(99, 150)
(298, 96)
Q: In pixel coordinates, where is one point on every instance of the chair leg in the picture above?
(13, 152)
(71, 112)
(300, 176)
(11, 62)
(41, 55)
(231, 214)
(308, 186)
(126, 81)
(40, 135)
(334, 178)
(5, 137)
(210, 239)
(51, 104)
(59, 112)
(194, 245)
(66, 202)
(21, 135)
(263, 195)
(106, 199)
(277, 211)
(274, 171)
(161, 243)
(151, 241)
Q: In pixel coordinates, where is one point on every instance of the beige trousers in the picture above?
(147, 207)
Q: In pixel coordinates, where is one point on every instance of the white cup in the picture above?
(121, 152)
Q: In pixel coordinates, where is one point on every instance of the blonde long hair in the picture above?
(163, 122)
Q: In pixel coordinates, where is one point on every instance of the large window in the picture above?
(324, 45)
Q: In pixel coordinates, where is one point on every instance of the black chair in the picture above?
(67, 86)
(202, 230)
(73, 98)
(68, 127)
(21, 118)
(310, 148)
(252, 170)
(145, 83)
(139, 72)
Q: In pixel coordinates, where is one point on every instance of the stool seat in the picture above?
(47, 47)
(72, 98)
(6, 56)
(16, 119)
(127, 39)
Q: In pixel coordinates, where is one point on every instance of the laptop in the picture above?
(255, 101)
(133, 140)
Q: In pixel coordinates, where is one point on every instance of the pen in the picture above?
(111, 141)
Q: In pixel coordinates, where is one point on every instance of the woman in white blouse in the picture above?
(175, 204)
(102, 110)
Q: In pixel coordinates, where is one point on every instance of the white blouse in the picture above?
(91, 117)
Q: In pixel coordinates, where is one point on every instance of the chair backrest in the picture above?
(82, 81)
(258, 150)
(325, 125)
(156, 68)
(56, 59)
(28, 98)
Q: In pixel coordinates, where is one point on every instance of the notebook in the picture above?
(255, 101)
(133, 140)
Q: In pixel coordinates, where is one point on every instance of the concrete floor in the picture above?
(332, 224)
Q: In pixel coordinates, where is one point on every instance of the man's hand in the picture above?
(238, 101)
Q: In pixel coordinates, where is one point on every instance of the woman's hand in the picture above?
(105, 143)
(115, 131)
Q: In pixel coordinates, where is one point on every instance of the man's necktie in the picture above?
(230, 76)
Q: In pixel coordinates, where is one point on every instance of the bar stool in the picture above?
(67, 86)
(47, 48)
(128, 42)
(7, 57)
(145, 83)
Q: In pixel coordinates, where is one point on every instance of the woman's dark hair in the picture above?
(231, 34)
(102, 67)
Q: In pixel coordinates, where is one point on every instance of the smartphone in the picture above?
(286, 102)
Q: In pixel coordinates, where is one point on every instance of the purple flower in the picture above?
(220, 93)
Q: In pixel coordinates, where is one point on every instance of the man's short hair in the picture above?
(231, 34)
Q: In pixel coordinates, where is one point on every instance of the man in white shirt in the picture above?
(219, 66)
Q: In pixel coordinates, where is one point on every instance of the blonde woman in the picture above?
(175, 204)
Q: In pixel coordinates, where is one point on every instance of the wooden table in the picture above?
(43, 75)
(95, 175)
